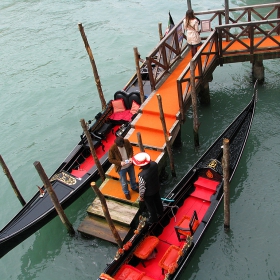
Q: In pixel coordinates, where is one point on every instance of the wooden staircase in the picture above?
(123, 212)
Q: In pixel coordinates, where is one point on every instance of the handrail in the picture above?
(214, 49)
(171, 48)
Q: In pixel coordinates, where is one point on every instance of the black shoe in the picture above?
(136, 190)
(127, 196)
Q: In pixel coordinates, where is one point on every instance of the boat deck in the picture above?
(168, 237)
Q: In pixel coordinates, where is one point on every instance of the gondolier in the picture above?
(149, 185)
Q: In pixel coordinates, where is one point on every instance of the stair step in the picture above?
(98, 227)
(206, 183)
(119, 212)
(202, 193)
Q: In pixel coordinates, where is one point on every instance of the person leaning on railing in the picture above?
(191, 25)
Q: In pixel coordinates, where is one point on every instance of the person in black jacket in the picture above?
(149, 185)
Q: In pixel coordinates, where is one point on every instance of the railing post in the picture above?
(251, 32)
(177, 43)
(220, 45)
(278, 16)
(151, 75)
(227, 17)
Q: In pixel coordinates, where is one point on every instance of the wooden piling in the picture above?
(139, 77)
(226, 167)
(107, 214)
(189, 4)
(168, 146)
(12, 182)
(204, 94)
(92, 150)
(94, 68)
(258, 71)
(54, 198)
(160, 31)
(140, 143)
(194, 103)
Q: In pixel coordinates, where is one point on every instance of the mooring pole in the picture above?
(54, 198)
(12, 182)
(92, 150)
(227, 17)
(138, 72)
(160, 30)
(189, 5)
(94, 68)
(107, 214)
(194, 104)
(226, 184)
(140, 143)
(168, 146)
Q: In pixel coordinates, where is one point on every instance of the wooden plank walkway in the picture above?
(148, 124)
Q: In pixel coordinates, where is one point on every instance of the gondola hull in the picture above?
(72, 178)
(163, 249)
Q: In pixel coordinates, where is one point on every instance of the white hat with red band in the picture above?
(141, 159)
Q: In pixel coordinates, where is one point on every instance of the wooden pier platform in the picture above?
(175, 85)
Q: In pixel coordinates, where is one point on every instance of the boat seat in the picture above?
(96, 141)
(187, 226)
(129, 272)
(146, 248)
(102, 132)
(169, 260)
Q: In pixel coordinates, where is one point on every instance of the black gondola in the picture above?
(161, 250)
(75, 173)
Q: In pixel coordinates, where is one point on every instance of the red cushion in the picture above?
(170, 257)
(118, 105)
(128, 272)
(134, 108)
(125, 116)
(184, 223)
(146, 247)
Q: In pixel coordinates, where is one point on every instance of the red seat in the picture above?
(128, 272)
(146, 247)
(187, 226)
(169, 260)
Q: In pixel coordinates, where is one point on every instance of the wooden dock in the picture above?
(175, 88)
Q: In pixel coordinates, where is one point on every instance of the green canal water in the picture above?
(47, 86)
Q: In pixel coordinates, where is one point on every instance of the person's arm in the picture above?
(142, 188)
(111, 157)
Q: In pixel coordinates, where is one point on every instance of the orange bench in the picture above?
(146, 247)
(169, 260)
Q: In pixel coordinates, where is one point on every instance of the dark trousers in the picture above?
(154, 206)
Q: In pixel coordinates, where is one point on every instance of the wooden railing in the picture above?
(264, 30)
(204, 61)
(174, 44)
